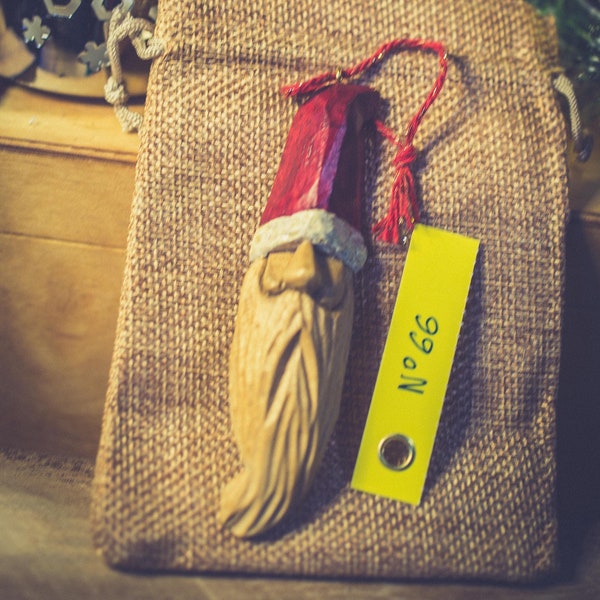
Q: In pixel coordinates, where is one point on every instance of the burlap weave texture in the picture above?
(491, 165)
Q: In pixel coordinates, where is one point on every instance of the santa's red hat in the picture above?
(317, 193)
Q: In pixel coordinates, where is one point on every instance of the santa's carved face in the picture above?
(287, 366)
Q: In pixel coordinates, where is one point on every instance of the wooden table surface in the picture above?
(46, 553)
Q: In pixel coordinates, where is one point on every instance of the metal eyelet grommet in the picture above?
(396, 452)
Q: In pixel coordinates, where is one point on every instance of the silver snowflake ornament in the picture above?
(62, 10)
(94, 56)
(127, 5)
(34, 31)
(102, 13)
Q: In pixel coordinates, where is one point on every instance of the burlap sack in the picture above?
(491, 166)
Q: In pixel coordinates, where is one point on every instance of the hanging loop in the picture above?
(582, 142)
(141, 33)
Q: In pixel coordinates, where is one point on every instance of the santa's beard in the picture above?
(287, 366)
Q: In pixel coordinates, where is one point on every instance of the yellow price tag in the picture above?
(409, 392)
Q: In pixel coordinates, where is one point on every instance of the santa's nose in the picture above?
(302, 272)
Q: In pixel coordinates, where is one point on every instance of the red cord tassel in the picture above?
(403, 210)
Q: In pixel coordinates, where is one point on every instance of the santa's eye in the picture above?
(307, 270)
(334, 284)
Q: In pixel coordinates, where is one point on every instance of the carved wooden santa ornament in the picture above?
(294, 322)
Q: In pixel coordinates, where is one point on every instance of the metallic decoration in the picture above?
(94, 56)
(102, 14)
(61, 41)
(34, 31)
(62, 10)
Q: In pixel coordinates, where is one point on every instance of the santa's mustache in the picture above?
(287, 368)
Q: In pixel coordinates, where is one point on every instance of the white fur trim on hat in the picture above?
(329, 233)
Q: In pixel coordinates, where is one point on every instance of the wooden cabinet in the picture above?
(66, 184)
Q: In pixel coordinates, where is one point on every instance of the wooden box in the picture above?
(66, 184)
